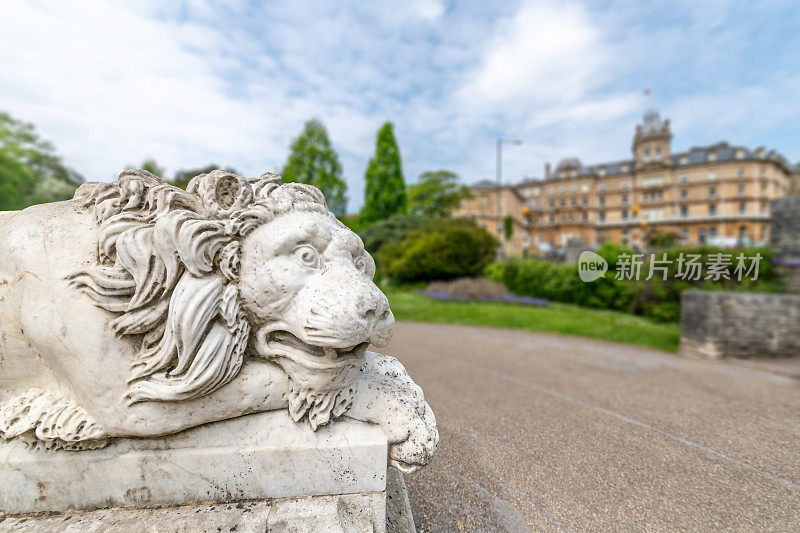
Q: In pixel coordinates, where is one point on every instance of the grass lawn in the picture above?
(557, 318)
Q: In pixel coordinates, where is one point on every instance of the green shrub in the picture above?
(441, 249)
(657, 297)
(389, 230)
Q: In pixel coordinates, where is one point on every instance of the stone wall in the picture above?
(785, 240)
(740, 325)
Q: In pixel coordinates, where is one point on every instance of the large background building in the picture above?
(710, 193)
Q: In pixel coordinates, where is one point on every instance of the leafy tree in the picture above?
(385, 192)
(152, 167)
(436, 194)
(508, 227)
(313, 160)
(30, 170)
(184, 176)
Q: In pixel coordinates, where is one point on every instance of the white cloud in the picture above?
(548, 52)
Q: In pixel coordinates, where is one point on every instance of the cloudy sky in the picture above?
(112, 83)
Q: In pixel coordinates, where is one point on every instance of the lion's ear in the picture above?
(222, 192)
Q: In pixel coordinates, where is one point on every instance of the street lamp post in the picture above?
(499, 176)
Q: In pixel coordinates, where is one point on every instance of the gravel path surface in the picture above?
(547, 432)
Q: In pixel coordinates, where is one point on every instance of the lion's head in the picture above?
(231, 268)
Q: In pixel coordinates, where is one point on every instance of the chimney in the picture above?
(547, 171)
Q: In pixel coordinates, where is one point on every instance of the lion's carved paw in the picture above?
(417, 450)
(387, 396)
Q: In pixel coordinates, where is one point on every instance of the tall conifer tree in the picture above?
(314, 161)
(385, 190)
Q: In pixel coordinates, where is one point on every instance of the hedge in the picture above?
(656, 298)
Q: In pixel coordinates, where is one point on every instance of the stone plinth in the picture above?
(741, 325)
(254, 457)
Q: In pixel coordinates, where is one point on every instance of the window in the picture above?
(602, 200)
(625, 215)
(740, 172)
(562, 203)
(624, 185)
(585, 217)
(685, 235)
(552, 219)
(654, 181)
(536, 191)
(585, 201)
(573, 202)
(623, 168)
(584, 187)
(742, 232)
(536, 203)
(683, 160)
(712, 210)
(740, 154)
(712, 174)
(601, 187)
(713, 231)
(740, 190)
(658, 153)
(561, 190)
(552, 204)
(647, 154)
(712, 156)
(552, 191)
(624, 198)
(573, 189)
(684, 178)
(712, 192)
(742, 208)
(684, 211)
(602, 216)
(684, 193)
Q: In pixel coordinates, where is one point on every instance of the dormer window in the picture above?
(601, 171)
(712, 156)
(740, 154)
(623, 168)
(683, 160)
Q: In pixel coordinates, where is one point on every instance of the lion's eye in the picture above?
(361, 264)
(307, 255)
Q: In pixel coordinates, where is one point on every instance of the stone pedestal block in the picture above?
(254, 457)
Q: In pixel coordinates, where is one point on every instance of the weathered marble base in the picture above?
(255, 457)
(345, 513)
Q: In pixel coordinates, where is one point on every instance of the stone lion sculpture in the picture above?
(138, 309)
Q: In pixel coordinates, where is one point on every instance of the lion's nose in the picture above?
(379, 319)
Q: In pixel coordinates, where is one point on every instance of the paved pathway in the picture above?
(560, 433)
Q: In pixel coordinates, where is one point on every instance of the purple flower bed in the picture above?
(509, 298)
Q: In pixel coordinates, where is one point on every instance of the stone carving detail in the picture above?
(140, 309)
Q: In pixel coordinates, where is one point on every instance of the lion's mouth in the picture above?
(283, 341)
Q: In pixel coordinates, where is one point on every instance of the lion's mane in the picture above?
(167, 262)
